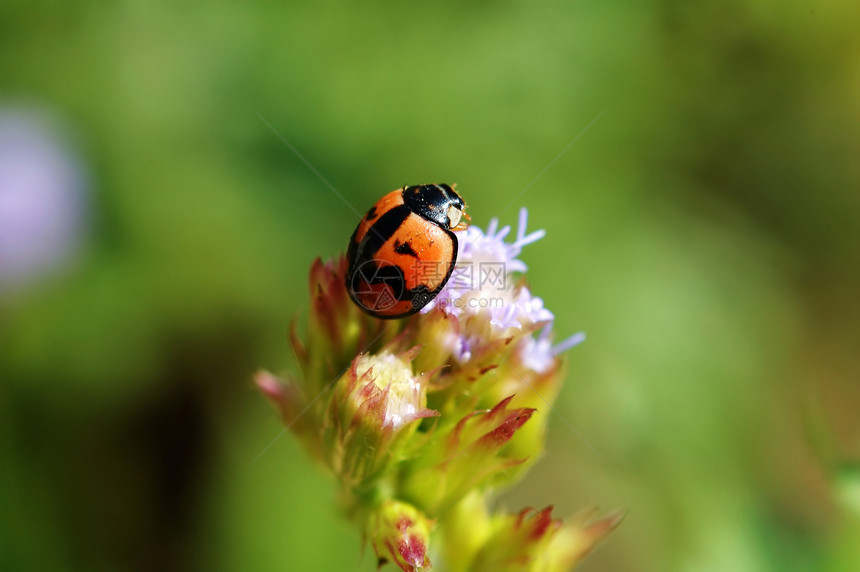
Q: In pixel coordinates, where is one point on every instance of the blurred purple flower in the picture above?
(43, 198)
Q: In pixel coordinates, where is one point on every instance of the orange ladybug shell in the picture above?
(403, 251)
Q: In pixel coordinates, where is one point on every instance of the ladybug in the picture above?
(404, 250)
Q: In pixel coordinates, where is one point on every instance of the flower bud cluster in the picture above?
(420, 420)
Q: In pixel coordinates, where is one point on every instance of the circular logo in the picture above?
(377, 285)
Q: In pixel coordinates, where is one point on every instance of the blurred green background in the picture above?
(704, 232)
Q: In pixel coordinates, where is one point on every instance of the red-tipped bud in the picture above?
(400, 533)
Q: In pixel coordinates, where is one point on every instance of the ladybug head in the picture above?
(438, 203)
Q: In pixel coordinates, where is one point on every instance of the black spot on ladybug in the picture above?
(383, 229)
(404, 248)
(371, 214)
